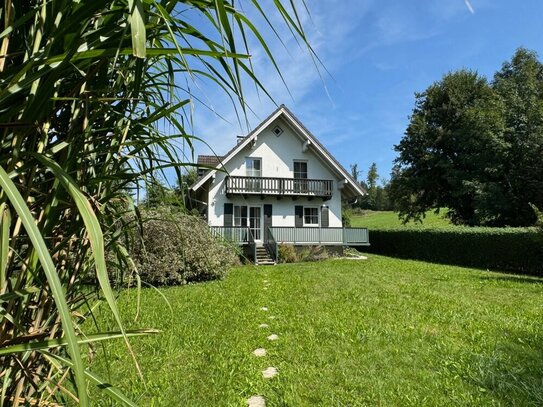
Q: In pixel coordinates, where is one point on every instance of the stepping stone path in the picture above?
(269, 372)
(256, 401)
(259, 401)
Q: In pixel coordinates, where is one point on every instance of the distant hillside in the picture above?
(389, 220)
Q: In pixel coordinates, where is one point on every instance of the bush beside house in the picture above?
(173, 248)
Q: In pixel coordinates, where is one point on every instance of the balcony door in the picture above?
(250, 216)
(300, 176)
(255, 222)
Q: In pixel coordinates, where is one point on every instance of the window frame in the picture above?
(317, 216)
(294, 172)
(250, 171)
(236, 216)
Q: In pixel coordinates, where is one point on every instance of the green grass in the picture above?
(389, 220)
(351, 333)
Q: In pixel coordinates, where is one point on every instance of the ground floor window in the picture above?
(311, 216)
(240, 215)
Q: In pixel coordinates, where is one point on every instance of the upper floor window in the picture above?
(300, 169)
(253, 167)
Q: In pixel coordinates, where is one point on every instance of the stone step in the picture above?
(263, 256)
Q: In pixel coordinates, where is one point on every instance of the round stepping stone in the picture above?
(269, 372)
(263, 326)
(259, 352)
(264, 308)
(256, 401)
(273, 337)
(271, 317)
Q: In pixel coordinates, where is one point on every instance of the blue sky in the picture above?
(378, 54)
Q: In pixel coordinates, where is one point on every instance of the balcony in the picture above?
(279, 187)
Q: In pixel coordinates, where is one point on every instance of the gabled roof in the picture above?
(296, 124)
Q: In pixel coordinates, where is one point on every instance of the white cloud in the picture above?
(329, 31)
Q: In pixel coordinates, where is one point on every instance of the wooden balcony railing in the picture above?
(320, 188)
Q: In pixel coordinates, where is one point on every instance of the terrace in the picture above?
(309, 236)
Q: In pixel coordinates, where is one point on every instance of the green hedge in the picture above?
(508, 249)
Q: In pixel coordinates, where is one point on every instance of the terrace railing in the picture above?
(355, 236)
(271, 244)
(324, 236)
(240, 235)
(321, 188)
(234, 234)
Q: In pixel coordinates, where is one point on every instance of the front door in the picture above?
(255, 222)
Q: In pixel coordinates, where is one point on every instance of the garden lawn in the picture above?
(389, 220)
(351, 333)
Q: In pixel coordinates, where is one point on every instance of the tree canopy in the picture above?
(475, 147)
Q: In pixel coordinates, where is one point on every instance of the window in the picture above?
(311, 216)
(240, 215)
(237, 215)
(300, 170)
(253, 167)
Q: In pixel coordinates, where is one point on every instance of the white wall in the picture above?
(278, 155)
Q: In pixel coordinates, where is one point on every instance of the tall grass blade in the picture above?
(5, 223)
(102, 384)
(93, 228)
(54, 343)
(48, 266)
(137, 28)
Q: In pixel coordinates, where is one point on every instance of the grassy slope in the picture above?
(389, 220)
(376, 332)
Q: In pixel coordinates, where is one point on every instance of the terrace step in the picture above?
(263, 257)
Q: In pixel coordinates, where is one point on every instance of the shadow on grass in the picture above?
(513, 371)
(514, 279)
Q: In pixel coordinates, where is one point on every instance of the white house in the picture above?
(278, 184)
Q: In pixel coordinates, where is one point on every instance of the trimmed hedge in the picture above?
(507, 249)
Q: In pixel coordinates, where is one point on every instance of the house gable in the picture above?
(280, 150)
(277, 155)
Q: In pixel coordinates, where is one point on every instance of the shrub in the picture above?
(346, 216)
(313, 253)
(287, 253)
(508, 249)
(174, 248)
